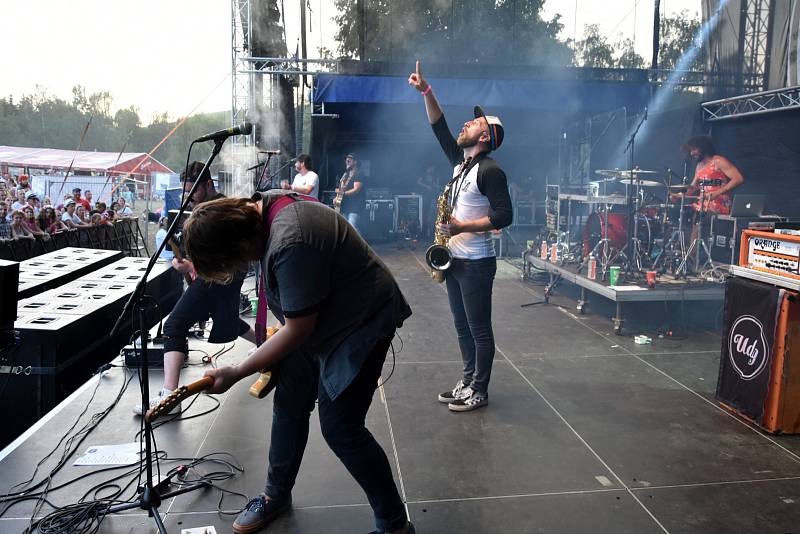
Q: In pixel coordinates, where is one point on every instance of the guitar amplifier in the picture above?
(771, 252)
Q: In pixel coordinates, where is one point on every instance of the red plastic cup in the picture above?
(651, 279)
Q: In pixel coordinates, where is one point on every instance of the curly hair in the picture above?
(702, 143)
(222, 236)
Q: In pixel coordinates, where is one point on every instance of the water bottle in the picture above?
(591, 273)
(543, 250)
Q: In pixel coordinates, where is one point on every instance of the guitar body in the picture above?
(267, 378)
(337, 200)
(177, 396)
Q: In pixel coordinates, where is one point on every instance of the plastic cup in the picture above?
(254, 306)
(651, 279)
(613, 273)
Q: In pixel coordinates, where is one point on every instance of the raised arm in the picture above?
(436, 117)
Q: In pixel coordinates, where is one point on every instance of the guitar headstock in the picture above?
(176, 397)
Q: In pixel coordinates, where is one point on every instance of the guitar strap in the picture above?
(268, 216)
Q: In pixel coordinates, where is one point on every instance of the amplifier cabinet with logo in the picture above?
(769, 252)
(766, 389)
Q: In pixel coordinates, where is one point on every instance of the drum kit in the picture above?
(645, 230)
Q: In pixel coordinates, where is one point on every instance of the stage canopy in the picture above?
(566, 96)
(51, 159)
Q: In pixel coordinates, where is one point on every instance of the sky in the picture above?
(174, 56)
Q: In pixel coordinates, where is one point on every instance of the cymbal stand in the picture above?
(677, 241)
(602, 250)
(633, 246)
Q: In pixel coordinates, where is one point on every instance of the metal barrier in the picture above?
(124, 235)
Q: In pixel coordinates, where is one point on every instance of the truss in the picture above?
(754, 104)
(755, 42)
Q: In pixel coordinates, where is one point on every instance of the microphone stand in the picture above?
(633, 242)
(149, 497)
(265, 172)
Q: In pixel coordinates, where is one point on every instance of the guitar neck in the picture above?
(176, 250)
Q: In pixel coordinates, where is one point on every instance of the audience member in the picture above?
(76, 196)
(18, 228)
(5, 226)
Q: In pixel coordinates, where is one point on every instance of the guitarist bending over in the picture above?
(200, 301)
(331, 348)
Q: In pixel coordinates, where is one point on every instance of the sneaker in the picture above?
(456, 393)
(474, 400)
(410, 530)
(155, 401)
(258, 513)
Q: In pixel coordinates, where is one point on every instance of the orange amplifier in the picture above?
(769, 252)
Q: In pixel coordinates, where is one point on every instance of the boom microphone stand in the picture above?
(149, 497)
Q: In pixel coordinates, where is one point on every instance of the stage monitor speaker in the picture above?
(9, 281)
(375, 223)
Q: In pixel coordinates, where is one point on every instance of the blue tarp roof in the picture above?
(545, 95)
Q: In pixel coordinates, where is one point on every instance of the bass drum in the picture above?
(647, 230)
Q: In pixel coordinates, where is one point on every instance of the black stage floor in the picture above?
(585, 432)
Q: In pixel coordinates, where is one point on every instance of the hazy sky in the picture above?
(173, 55)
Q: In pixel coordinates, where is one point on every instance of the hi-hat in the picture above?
(643, 183)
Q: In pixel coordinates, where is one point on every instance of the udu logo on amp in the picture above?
(748, 350)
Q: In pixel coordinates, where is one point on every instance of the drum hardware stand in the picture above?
(677, 235)
(698, 244)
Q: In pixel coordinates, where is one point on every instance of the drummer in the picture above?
(714, 173)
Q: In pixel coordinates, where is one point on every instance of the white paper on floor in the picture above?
(121, 454)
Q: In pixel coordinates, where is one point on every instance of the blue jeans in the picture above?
(352, 218)
(469, 290)
(342, 423)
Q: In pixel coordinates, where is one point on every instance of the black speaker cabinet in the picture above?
(9, 280)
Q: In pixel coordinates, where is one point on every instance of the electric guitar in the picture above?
(267, 378)
(343, 183)
(261, 388)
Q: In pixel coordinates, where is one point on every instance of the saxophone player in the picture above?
(479, 202)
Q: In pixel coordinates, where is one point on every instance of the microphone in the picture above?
(270, 152)
(243, 129)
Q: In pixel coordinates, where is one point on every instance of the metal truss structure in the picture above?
(755, 42)
(753, 104)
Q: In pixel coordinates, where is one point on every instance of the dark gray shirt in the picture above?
(315, 261)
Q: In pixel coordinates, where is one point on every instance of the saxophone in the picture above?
(438, 256)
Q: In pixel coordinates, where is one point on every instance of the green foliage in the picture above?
(677, 36)
(452, 31)
(42, 120)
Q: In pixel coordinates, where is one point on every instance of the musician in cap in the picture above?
(351, 187)
(480, 202)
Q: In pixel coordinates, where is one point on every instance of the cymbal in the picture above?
(643, 183)
(680, 187)
(660, 206)
(622, 173)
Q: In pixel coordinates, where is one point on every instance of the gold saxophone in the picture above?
(438, 256)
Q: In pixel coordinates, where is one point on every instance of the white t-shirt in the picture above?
(74, 218)
(311, 179)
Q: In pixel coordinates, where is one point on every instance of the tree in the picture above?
(627, 56)
(455, 31)
(594, 49)
(678, 34)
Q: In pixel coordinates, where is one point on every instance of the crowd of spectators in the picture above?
(24, 215)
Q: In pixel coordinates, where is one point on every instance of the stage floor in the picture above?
(585, 432)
